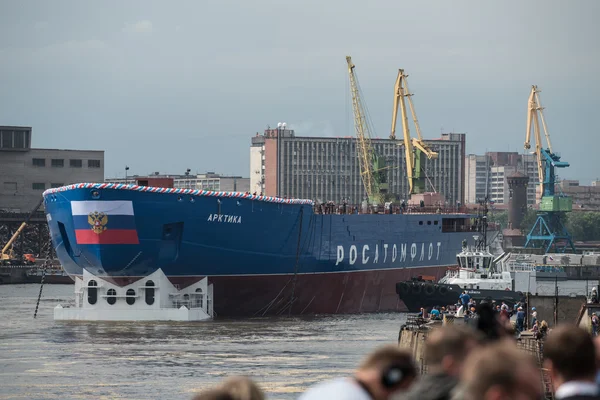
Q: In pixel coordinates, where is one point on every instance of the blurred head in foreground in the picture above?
(446, 350)
(500, 371)
(233, 388)
(570, 356)
(386, 371)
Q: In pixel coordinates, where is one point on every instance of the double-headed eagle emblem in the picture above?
(98, 221)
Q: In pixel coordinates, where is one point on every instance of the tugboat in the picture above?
(477, 274)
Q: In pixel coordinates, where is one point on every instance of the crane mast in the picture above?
(548, 229)
(371, 168)
(414, 148)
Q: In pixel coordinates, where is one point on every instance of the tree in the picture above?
(584, 225)
(499, 217)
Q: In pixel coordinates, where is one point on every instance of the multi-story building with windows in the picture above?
(207, 181)
(327, 168)
(25, 172)
(486, 175)
(585, 198)
(213, 181)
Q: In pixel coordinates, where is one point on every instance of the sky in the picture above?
(165, 86)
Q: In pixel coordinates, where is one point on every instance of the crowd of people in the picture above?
(464, 362)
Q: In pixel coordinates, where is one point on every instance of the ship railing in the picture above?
(193, 300)
(515, 266)
(415, 321)
(394, 209)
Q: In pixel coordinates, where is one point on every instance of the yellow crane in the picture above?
(413, 147)
(8, 253)
(549, 230)
(372, 169)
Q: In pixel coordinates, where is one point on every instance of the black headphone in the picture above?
(394, 374)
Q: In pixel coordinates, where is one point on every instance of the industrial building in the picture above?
(25, 172)
(585, 198)
(487, 175)
(207, 181)
(327, 168)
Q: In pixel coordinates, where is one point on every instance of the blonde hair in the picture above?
(242, 388)
(233, 388)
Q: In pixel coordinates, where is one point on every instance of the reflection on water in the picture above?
(43, 359)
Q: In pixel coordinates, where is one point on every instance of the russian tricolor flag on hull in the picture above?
(104, 222)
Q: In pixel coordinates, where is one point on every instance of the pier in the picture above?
(554, 310)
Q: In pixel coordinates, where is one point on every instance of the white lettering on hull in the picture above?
(369, 255)
(224, 218)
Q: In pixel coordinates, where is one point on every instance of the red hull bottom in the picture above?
(335, 293)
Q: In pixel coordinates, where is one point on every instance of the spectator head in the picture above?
(386, 371)
(501, 371)
(447, 348)
(242, 388)
(569, 355)
(233, 388)
(213, 394)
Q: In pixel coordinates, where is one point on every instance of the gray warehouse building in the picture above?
(25, 172)
(327, 168)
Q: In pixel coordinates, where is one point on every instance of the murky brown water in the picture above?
(44, 359)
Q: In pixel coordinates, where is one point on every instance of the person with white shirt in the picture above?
(385, 372)
(570, 357)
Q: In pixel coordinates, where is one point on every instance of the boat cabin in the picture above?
(474, 260)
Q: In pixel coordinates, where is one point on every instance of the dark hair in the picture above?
(487, 322)
(572, 352)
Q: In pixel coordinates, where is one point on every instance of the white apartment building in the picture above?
(486, 174)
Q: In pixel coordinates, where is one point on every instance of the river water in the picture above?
(44, 359)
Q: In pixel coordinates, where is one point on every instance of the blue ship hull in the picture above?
(259, 252)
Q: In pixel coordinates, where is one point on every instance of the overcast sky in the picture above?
(165, 86)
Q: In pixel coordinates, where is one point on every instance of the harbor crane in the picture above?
(549, 231)
(7, 256)
(372, 167)
(414, 148)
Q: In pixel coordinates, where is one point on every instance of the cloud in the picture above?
(141, 27)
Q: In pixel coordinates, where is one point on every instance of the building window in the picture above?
(75, 163)
(92, 292)
(56, 185)
(111, 296)
(58, 162)
(130, 299)
(38, 186)
(93, 163)
(39, 162)
(149, 293)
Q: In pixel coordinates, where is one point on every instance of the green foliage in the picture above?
(584, 225)
(498, 217)
(528, 220)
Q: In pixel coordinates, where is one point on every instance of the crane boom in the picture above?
(5, 255)
(546, 176)
(413, 147)
(548, 230)
(372, 169)
(365, 150)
